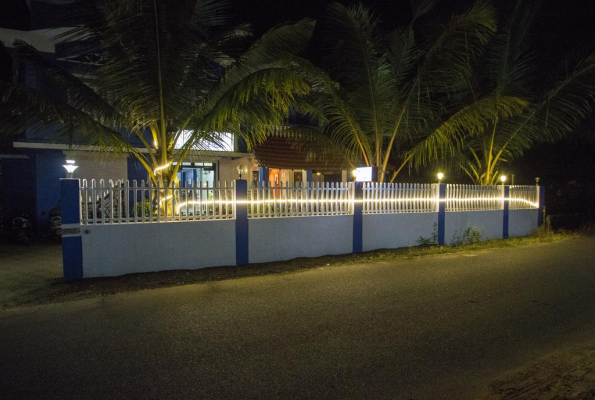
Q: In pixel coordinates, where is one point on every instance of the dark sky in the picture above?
(562, 26)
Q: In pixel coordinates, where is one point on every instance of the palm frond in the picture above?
(449, 137)
(23, 108)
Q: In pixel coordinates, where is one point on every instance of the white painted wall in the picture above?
(490, 223)
(112, 250)
(275, 239)
(390, 231)
(522, 222)
(228, 169)
(95, 165)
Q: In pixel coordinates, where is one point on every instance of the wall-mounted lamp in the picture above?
(70, 167)
(241, 169)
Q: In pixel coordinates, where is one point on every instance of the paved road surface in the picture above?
(437, 327)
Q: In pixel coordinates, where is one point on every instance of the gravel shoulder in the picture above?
(566, 373)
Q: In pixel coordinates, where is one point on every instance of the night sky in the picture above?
(561, 28)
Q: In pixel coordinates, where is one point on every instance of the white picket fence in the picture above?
(121, 202)
(266, 200)
(390, 198)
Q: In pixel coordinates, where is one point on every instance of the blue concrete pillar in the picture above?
(308, 177)
(72, 245)
(241, 214)
(358, 218)
(505, 206)
(441, 212)
(541, 207)
(263, 174)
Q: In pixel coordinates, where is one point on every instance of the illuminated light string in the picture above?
(161, 167)
(347, 201)
(166, 198)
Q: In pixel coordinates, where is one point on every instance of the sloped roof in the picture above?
(297, 152)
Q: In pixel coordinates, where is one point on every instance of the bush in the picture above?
(470, 236)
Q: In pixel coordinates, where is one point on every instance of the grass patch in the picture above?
(55, 290)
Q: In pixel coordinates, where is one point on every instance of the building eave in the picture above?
(60, 146)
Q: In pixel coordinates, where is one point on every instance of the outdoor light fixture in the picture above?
(356, 201)
(241, 169)
(318, 174)
(503, 179)
(537, 181)
(70, 167)
(440, 177)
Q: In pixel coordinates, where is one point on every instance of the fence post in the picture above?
(541, 202)
(358, 217)
(72, 244)
(505, 208)
(441, 212)
(241, 214)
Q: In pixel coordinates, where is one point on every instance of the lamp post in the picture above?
(70, 167)
(440, 177)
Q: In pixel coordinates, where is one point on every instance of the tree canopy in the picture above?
(523, 107)
(161, 71)
(465, 95)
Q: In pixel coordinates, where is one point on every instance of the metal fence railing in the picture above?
(473, 198)
(390, 198)
(122, 202)
(268, 200)
(524, 197)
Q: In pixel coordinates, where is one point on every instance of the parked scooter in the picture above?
(56, 228)
(56, 223)
(22, 229)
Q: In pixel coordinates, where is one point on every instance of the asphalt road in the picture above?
(436, 327)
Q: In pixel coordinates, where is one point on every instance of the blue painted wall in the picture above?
(48, 172)
(136, 171)
(188, 175)
(17, 184)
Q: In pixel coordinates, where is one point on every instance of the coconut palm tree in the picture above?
(166, 73)
(392, 87)
(539, 110)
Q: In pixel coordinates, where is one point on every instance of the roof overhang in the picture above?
(60, 146)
